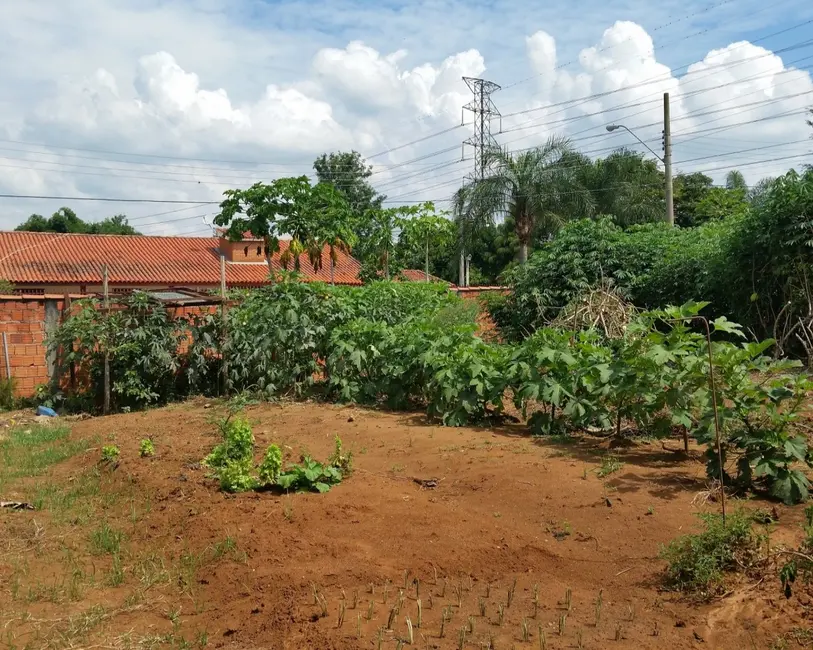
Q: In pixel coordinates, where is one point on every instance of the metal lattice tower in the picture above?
(484, 111)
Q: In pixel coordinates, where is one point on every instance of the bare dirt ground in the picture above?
(151, 554)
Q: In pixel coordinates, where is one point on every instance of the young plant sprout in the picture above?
(543, 641)
(461, 638)
(568, 599)
(579, 643)
(391, 619)
(417, 588)
(358, 625)
(380, 633)
(511, 593)
(323, 605)
(562, 623)
(410, 633)
(370, 611)
(524, 630)
(355, 598)
(481, 605)
(315, 593)
(419, 620)
(341, 614)
(618, 632)
(406, 577)
(500, 614)
(488, 590)
(443, 589)
(471, 625)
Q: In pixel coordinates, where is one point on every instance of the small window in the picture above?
(33, 291)
(259, 251)
(245, 252)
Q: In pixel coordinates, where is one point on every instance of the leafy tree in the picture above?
(539, 189)
(333, 225)
(115, 225)
(734, 180)
(720, 202)
(267, 211)
(426, 230)
(348, 173)
(689, 190)
(380, 227)
(65, 220)
(626, 185)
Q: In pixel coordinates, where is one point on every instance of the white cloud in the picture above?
(205, 82)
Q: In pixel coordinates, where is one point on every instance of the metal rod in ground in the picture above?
(106, 292)
(716, 418)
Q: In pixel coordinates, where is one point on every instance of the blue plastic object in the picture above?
(44, 410)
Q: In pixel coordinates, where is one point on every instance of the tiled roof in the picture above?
(54, 258)
(414, 275)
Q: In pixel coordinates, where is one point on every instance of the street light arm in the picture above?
(615, 127)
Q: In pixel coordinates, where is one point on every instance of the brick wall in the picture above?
(24, 323)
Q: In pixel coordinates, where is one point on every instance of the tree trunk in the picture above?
(427, 259)
(268, 254)
(387, 264)
(332, 268)
(523, 252)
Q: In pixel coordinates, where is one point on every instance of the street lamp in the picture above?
(667, 155)
(614, 127)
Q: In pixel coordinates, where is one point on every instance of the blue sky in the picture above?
(210, 82)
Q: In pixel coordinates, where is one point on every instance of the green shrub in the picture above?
(146, 448)
(270, 466)
(110, 454)
(7, 397)
(697, 563)
(232, 461)
(309, 476)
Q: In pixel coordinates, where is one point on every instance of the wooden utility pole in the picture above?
(224, 334)
(667, 160)
(106, 292)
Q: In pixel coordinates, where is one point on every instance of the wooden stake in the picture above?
(224, 336)
(106, 292)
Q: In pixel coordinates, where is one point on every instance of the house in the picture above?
(57, 263)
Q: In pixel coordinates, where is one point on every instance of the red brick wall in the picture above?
(23, 321)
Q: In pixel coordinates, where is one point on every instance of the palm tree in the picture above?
(539, 189)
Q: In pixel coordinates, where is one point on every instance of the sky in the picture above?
(179, 100)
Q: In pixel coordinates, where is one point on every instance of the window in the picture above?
(245, 252)
(29, 291)
(259, 251)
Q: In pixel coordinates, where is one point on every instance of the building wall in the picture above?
(25, 322)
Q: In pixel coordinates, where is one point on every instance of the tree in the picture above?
(267, 211)
(627, 186)
(535, 188)
(115, 225)
(426, 230)
(348, 173)
(380, 227)
(734, 180)
(333, 225)
(689, 190)
(65, 220)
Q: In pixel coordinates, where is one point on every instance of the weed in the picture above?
(609, 465)
(698, 562)
(650, 510)
(228, 547)
(151, 570)
(115, 576)
(397, 469)
(146, 448)
(106, 540)
(202, 639)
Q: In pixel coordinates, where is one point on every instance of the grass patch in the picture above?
(698, 562)
(30, 451)
(609, 465)
(106, 540)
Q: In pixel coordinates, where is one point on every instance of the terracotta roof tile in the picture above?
(414, 275)
(54, 258)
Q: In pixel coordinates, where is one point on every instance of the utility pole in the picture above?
(667, 161)
(484, 110)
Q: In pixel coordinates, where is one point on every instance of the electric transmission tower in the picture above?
(484, 111)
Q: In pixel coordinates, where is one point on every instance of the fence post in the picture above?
(105, 290)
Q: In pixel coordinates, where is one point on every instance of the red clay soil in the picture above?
(505, 508)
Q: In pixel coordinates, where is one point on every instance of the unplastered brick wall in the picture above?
(23, 321)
